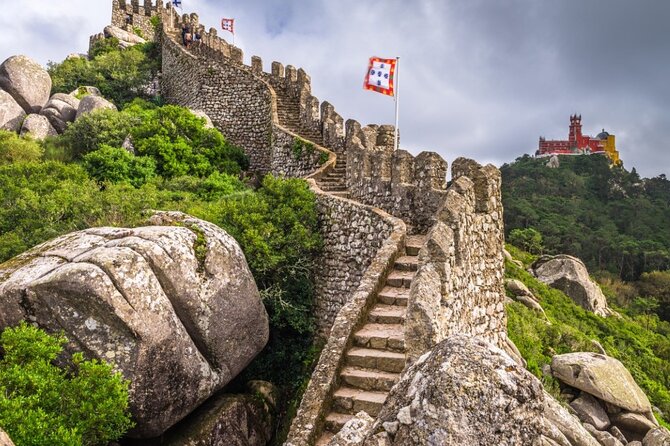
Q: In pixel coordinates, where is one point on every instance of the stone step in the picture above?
(371, 358)
(387, 314)
(414, 243)
(407, 263)
(350, 400)
(393, 296)
(325, 438)
(335, 420)
(368, 379)
(341, 194)
(381, 336)
(400, 279)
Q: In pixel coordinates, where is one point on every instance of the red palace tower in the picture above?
(579, 144)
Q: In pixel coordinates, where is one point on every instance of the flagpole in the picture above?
(397, 97)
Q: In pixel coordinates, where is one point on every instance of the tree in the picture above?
(527, 239)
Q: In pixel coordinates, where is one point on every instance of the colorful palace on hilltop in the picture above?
(578, 144)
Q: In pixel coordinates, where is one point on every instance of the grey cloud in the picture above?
(479, 78)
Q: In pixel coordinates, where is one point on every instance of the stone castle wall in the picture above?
(239, 99)
(409, 187)
(458, 287)
(353, 235)
(133, 15)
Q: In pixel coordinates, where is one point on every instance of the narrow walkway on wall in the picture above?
(375, 361)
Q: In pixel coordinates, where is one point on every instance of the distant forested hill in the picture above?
(609, 217)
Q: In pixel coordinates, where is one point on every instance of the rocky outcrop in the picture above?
(4, 439)
(657, 437)
(172, 305)
(126, 38)
(563, 428)
(91, 103)
(523, 295)
(60, 110)
(464, 391)
(569, 274)
(354, 431)
(38, 127)
(609, 402)
(601, 376)
(27, 82)
(225, 420)
(11, 113)
(85, 90)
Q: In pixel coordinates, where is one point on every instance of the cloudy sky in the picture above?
(478, 78)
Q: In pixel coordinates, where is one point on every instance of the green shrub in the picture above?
(118, 165)
(14, 148)
(103, 46)
(93, 130)
(120, 74)
(44, 405)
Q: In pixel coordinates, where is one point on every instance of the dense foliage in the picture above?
(638, 339)
(121, 75)
(109, 168)
(610, 218)
(44, 405)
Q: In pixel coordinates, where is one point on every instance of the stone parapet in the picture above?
(135, 16)
(352, 315)
(459, 283)
(409, 187)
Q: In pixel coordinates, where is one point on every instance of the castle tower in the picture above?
(575, 135)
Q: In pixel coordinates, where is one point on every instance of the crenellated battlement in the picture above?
(134, 16)
(406, 186)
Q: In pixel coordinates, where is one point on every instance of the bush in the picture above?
(118, 165)
(44, 405)
(172, 136)
(93, 130)
(14, 148)
(121, 74)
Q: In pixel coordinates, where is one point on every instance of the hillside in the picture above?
(610, 218)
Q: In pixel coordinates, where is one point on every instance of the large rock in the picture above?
(60, 110)
(604, 438)
(354, 431)
(173, 306)
(561, 426)
(38, 127)
(633, 422)
(569, 274)
(463, 392)
(11, 113)
(27, 82)
(225, 420)
(4, 439)
(603, 377)
(125, 38)
(657, 437)
(590, 411)
(91, 103)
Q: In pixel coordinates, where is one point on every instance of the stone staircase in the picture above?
(288, 112)
(335, 181)
(377, 357)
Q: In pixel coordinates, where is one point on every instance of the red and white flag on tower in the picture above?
(381, 76)
(228, 25)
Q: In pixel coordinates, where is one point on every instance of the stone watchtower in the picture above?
(135, 17)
